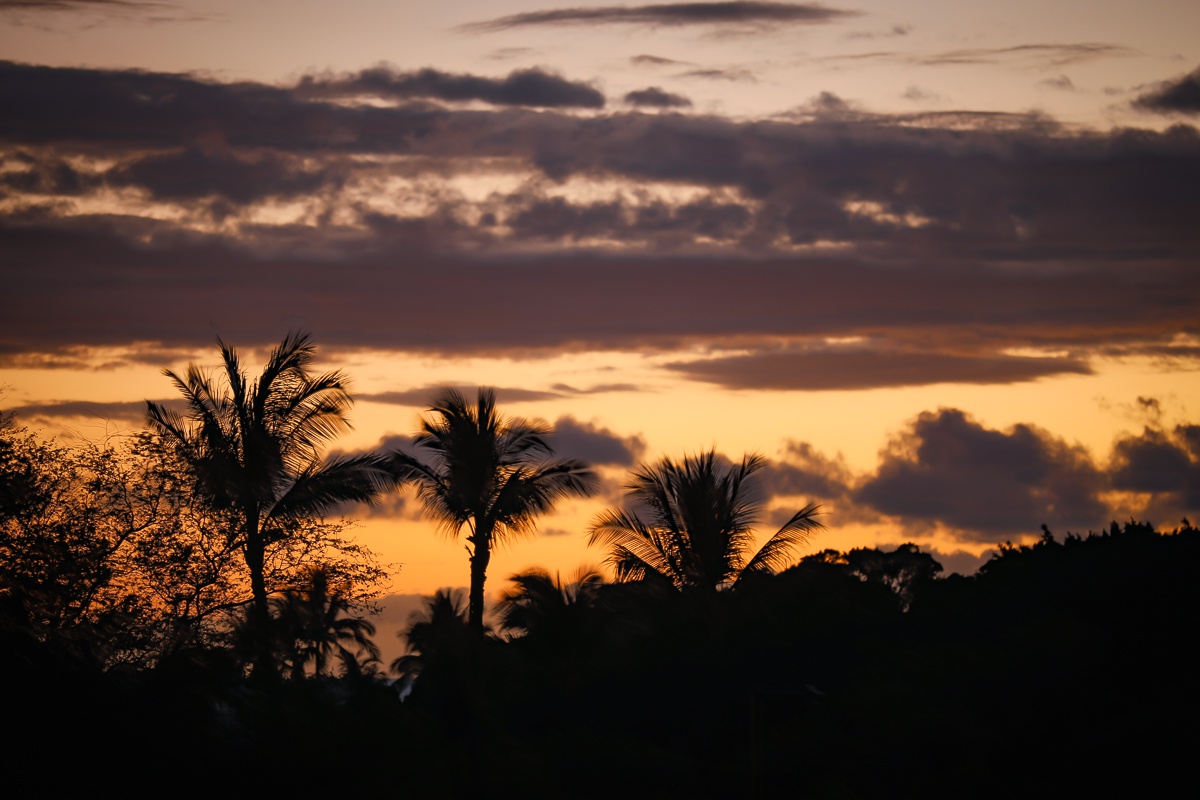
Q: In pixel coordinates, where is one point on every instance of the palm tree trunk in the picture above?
(260, 610)
(480, 556)
(256, 551)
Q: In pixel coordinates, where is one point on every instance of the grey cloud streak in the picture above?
(1045, 55)
(424, 396)
(39, 12)
(857, 367)
(82, 5)
(756, 14)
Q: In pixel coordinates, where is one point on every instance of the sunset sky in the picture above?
(938, 261)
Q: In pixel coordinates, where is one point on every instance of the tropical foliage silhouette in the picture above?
(689, 523)
(488, 473)
(255, 448)
(545, 606)
(318, 631)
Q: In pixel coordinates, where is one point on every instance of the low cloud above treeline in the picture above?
(950, 474)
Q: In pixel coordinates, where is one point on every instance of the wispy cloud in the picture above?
(425, 395)
(1042, 55)
(722, 74)
(655, 61)
(758, 15)
(82, 5)
(146, 11)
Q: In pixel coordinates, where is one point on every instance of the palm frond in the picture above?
(323, 486)
(779, 549)
(692, 522)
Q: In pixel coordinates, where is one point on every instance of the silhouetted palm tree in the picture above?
(255, 449)
(317, 631)
(539, 604)
(690, 523)
(437, 632)
(489, 473)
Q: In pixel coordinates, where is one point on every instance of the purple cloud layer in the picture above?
(938, 245)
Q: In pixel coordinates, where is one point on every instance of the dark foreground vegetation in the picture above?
(165, 631)
(1063, 669)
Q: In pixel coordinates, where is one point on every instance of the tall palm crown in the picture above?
(690, 523)
(489, 473)
(255, 447)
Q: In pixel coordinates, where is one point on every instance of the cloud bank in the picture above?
(832, 248)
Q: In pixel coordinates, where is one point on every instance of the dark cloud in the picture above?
(48, 176)
(854, 367)
(985, 484)
(558, 219)
(107, 109)
(124, 412)
(654, 97)
(803, 474)
(526, 87)
(196, 173)
(595, 445)
(1161, 463)
(181, 290)
(949, 473)
(757, 15)
(646, 60)
(424, 396)
(602, 388)
(1178, 96)
(806, 472)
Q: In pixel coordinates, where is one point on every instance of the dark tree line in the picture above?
(177, 613)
